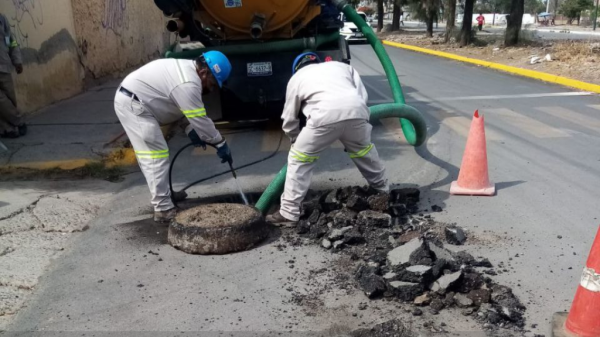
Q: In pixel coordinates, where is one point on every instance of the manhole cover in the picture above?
(217, 229)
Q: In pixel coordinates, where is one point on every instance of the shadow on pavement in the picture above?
(507, 184)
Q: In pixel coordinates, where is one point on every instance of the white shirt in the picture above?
(326, 93)
(170, 89)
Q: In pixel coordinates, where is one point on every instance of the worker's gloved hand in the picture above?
(224, 152)
(193, 136)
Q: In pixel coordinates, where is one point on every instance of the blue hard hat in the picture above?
(219, 65)
(308, 55)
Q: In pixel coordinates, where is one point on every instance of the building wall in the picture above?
(46, 34)
(66, 42)
(115, 35)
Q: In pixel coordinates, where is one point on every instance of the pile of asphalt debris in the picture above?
(401, 254)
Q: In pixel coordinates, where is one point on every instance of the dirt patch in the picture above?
(578, 59)
(217, 215)
(393, 328)
(94, 170)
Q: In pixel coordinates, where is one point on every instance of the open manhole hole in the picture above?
(218, 228)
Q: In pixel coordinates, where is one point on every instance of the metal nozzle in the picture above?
(257, 26)
(175, 25)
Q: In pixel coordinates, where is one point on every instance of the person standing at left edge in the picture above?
(160, 93)
(11, 120)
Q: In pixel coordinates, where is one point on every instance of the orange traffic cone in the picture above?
(584, 318)
(473, 177)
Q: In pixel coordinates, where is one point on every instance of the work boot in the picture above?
(179, 196)
(11, 133)
(165, 216)
(22, 129)
(279, 220)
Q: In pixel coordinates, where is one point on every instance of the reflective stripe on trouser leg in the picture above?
(150, 148)
(357, 140)
(297, 182)
(301, 161)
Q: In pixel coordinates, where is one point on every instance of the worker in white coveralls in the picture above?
(11, 119)
(161, 93)
(333, 98)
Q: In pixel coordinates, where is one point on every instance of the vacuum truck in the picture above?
(261, 38)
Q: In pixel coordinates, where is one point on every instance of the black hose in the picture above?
(217, 174)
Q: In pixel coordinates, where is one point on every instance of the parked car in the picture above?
(350, 32)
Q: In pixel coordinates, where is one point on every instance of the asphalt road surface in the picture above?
(543, 143)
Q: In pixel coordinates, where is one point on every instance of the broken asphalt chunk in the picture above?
(374, 219)
(455, 235)
(442, 284)
(401, 255)
(406, 291)
(379, 202)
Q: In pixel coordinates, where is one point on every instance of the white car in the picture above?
(350, 32)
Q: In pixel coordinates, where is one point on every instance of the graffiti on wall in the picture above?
(28, 14)
(114, 15)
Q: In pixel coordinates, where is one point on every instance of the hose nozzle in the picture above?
(175, 25)
(257, 26)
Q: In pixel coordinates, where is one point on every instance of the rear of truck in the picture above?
(261, 39)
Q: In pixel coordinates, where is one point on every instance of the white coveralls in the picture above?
(333, 98)
(165, 90)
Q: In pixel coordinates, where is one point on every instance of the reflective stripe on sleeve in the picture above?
(362, 152)
(195, 113)
(14, 44)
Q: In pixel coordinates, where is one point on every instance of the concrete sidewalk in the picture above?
(68, 134)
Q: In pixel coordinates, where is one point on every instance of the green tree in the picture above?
(426, 11)
(572, 9)
(379, 15)
(396, 15)
(534, 7)
(465, 32)
(514, 19)
(451, 17)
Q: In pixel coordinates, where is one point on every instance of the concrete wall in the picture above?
(66, 42)
(46, 33)
(115, 35)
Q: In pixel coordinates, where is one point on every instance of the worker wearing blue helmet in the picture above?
(160, 93)
(333, 98)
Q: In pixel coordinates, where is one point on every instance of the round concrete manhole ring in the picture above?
(217, 229)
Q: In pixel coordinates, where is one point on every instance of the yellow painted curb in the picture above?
(538, 75)
(118, 157)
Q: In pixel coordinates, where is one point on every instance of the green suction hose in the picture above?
(413, 124)
(272, 193)
(411, 120)
(388, 66)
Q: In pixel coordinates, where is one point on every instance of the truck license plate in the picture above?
(358, 35)
(260, 69)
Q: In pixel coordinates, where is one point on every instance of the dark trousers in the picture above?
(480, 27)
(9, 114)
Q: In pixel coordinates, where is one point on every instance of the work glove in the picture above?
(193, 136)
(224, 152)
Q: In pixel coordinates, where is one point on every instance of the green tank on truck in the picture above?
(261, 39)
